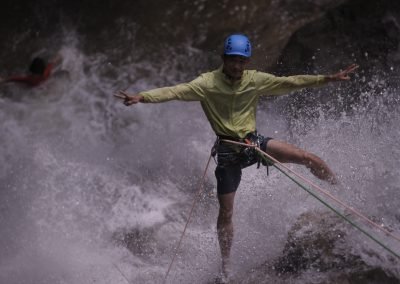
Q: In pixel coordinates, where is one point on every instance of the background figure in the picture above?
(39, 71)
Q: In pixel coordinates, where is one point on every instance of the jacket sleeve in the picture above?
(192, 91)
(270, 85)
(17, 79)
(48, 70)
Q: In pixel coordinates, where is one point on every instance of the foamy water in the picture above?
(93, 191)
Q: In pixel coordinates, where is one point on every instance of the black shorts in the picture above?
(231, 159)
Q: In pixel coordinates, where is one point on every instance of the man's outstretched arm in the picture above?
(192, 91)
(271, 85)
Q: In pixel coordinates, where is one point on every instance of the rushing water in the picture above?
(95, 192)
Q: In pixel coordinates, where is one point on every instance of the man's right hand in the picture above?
(128, 99)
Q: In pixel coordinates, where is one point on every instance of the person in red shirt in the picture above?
(39, 71)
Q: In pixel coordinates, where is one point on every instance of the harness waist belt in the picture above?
(223, 137)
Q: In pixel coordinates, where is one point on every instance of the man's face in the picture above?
(234, 65)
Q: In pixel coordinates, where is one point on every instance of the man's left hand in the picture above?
(343, 75)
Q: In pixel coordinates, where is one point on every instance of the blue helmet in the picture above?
(237, 44)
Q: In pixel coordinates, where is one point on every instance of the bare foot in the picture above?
(226, 270)
(221, 279)
(333, 180)
(324, 175)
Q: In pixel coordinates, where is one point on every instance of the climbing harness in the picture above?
(229, 154)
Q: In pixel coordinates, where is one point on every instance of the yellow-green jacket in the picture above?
(231, 107)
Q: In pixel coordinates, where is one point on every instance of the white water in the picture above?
(80, 171)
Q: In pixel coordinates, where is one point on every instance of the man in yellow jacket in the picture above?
(229, 98)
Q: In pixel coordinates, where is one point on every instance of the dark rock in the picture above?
(316, 241)
(317, 248)
(137, 241)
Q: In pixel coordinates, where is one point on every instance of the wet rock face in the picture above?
(362, 32)
(138, 241)
(317, 242)
(365, 32)
(318, 251)
(334, 32)
(206, 23)
(159, 25)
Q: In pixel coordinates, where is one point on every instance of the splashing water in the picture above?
(93, 191)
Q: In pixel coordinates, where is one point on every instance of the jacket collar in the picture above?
(227, 80)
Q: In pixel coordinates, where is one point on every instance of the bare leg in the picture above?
(287, 153)
(225, 228)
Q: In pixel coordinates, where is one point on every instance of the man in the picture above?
(229, 97)
(39, 71)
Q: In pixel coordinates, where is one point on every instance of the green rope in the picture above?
(330, 207)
